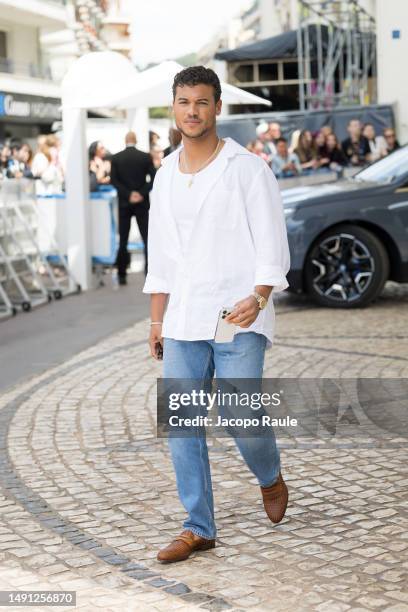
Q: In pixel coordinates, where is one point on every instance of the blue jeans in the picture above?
(197, 359)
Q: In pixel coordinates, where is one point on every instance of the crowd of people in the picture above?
(18, 160)
(131, 171)
(305, 153)
(45, 165)
(309, 152)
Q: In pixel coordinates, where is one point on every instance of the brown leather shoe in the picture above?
(182, 546)
(275, 500)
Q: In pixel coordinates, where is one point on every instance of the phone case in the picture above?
(159, 350)
(224, 331)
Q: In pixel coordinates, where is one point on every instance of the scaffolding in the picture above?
(336, 47)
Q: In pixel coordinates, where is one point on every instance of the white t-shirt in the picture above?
(185, 199)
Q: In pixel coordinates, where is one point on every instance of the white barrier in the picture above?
(53, 213)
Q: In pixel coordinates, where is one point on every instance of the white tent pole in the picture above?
(138, 121)
(78, 216)
(220, 68)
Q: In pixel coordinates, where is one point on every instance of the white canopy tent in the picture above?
(108, 80)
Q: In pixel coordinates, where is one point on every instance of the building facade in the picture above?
(261, 19)
(266, 18)
(364, 69)
(392, 49)
(38, 41)
(29, 97)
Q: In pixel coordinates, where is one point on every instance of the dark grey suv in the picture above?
(347, 238)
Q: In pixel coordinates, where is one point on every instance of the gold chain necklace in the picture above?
(190, 182)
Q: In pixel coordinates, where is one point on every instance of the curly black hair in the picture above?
(198, 75)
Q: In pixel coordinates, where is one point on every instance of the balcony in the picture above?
(31, 70)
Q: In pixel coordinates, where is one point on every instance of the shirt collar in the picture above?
(231, 148)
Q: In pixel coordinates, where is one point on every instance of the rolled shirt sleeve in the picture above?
(268, 228)
(156, 281)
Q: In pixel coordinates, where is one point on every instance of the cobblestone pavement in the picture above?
(88, 494)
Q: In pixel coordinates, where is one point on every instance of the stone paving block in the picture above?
(95, 487)
(372, 603)
(332, 606)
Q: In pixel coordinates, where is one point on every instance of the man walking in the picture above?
(217, 237)
(129, 171)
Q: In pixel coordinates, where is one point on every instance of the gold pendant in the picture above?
(190, 182)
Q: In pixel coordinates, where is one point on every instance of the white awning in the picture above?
(106, 78)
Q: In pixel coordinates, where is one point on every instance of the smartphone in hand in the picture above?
(225, 331)
(158, 350)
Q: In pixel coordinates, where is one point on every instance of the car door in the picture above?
(398, 205)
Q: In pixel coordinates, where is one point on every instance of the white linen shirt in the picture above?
(238, 241)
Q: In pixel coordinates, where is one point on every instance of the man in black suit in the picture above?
(129, 170)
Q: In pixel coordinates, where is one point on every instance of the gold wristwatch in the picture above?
(262, 301)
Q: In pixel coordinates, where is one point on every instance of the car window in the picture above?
(386, 170)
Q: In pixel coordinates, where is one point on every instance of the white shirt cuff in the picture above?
(153, 284)
(272, 276)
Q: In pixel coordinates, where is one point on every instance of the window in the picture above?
(290, 71)
(268, 72)
(3, 45)
(386, 170)
(244, 73)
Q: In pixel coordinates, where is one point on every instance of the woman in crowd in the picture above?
(323, 160)
(54, 145)
(153, 139)
(26, 159)
(99, 167)
(378, 147)
(45, 168)
(391, 142)
(5, 154)
(175, 138)
(337, 159)
(305, 151)
(326, 130)
(157, 155)
(257, 147)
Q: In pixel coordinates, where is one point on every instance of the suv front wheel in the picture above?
(347, 267)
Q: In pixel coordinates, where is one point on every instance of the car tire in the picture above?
(346, 267)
